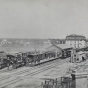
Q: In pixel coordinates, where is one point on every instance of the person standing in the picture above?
(8, 63)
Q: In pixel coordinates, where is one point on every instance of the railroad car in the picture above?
(3, 63)
(3, 59)
(38, 58)
(16, 60)
(65, 54)
(24, 58)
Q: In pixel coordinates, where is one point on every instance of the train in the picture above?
(3, 59)
(33, 58)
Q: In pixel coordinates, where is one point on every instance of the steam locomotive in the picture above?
(23, 58)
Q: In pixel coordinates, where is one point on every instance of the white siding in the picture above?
(76, 43)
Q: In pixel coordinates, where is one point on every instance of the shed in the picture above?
(80, 55)
(58, 48)
(64, 46)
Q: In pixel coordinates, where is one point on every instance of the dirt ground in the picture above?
(55, 72)
(35, 81)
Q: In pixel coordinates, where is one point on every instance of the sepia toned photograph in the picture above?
(43, 43)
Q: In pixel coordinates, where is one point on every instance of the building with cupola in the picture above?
(76, 41)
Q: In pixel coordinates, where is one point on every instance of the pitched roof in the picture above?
(63, 46)
(75, 35)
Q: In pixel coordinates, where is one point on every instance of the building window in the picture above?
(74, 55)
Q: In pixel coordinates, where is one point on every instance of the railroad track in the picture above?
(10, 82)
(43, 63)
(40, 67)
(6, 70)
(44, 69)
(34, 87)
(30, 74)
(29, 69)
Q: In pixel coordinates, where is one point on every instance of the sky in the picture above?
(43, 18)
